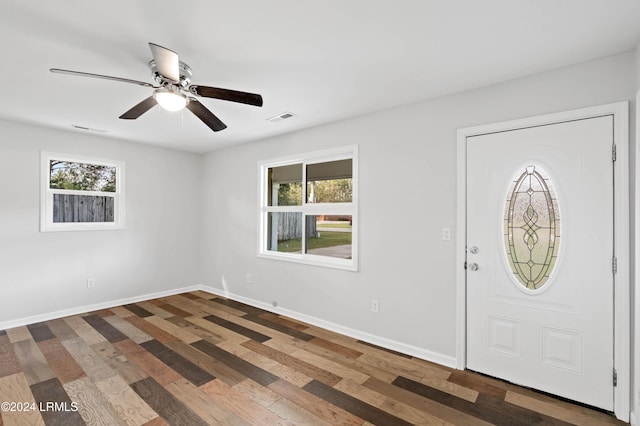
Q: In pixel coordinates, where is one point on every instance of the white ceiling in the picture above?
(324, 60)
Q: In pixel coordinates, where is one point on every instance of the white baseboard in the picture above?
(414, 351)
(95, 307)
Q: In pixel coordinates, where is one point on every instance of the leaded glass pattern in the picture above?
(531, 227)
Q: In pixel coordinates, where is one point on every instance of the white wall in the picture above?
(407, 194)
(42, 273)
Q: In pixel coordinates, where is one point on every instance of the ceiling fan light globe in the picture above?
(170, 100)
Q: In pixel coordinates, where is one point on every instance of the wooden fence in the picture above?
(82, 208)
(290, 225)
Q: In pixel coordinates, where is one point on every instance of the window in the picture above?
(308, 209)
(81, 193)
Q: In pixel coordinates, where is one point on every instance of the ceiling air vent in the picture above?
(280, 117)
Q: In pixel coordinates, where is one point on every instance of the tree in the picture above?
(82, 176)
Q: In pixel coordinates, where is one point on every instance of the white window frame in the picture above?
(343, 153)
(47, 193)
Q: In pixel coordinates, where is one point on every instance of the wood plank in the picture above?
(206, 407)
(423, 404)
(55, 405)
(138, 311)
(184, 335)
(155, 368)
(218, 308)
(121, 311)
(258, 393)
(561, 410)
(124, 368)
(238, 306)
(88, 359)
(185, 324)
(296, 334)
(183, 366)
(303, 367)
(61, 329)
(249, 370)
(15, 389)
(128, 329)
(60, 360)
(18, 334)
(219, 334)
(153, 331)
(190, 295)
(175, 310)
(9, 364)
(40, 331)
(126, 403)
(109, 332)
(89, 334)
(93, 406)
(237, 328)
(287, 322)
(279, 370)
(331, 366)
(154, 310)
(241, 405)
(473, 381)
(335, 347)
(353, 405)
(320, 408)
(165, 404)
(486, 407)
(209, 364)
(34, 364)
(353, 364)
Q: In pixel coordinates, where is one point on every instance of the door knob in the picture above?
(473, 250)
(473, 266)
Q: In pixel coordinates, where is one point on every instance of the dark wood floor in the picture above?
(195, 359)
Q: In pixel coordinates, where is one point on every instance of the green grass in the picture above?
(326, 239)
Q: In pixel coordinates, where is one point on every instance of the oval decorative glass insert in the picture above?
(531, 227)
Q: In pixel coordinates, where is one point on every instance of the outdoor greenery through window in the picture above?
(308, 212)
(81, 193)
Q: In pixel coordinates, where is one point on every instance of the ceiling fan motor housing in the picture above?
(184, 72)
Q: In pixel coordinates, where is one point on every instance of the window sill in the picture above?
(309, 259)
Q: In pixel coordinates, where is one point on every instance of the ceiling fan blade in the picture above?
(139, 109)
(205, 115)
(227, 95)
(167, 62)
(105, 77)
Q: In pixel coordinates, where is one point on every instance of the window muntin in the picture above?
(81, 194)
(308, 209)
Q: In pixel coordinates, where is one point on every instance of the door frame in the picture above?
(622, 318)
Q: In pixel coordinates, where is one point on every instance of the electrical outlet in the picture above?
(375, 306)
(446, 234)
(91, 282)
(248, 277)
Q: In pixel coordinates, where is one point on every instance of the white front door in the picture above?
(540, 245)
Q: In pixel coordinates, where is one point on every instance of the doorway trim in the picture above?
(622, 318)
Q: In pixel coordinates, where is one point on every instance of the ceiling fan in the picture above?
(173, 89)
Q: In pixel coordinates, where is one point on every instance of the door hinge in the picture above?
(614, 154)
(465, 265)
(615, 377)
(614, 265)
